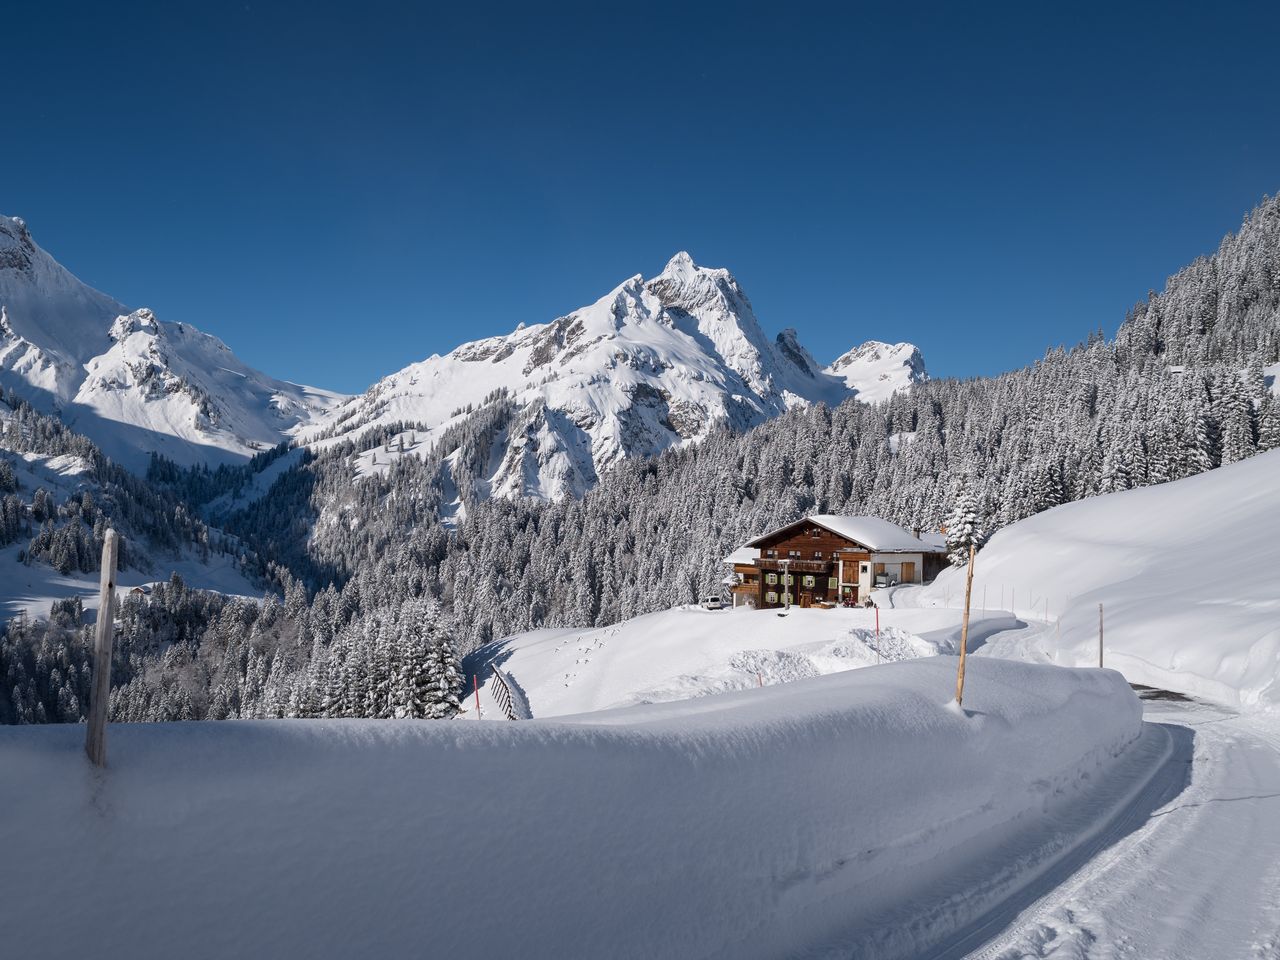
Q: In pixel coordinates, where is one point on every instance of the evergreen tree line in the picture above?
(183, 654)
(69, 534)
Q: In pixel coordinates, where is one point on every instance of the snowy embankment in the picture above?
(857, 813)
(690, 652)
(1188, 574)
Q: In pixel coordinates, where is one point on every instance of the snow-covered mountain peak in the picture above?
(128, 380)
(60, 321)
(878, 370)
(140, 321)
(651, 364)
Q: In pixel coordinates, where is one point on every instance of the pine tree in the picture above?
(963, 527)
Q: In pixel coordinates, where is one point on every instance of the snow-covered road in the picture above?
(1190, 870)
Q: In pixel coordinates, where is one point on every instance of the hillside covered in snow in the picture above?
(688, 652)
(652, 364)
(1188, 574)
(129, 381)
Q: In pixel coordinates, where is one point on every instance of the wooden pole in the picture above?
(964, 630)
(95, 740)
(1099, 635)
(475, 685)
(877, 636)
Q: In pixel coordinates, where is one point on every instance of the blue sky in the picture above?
(337, 191)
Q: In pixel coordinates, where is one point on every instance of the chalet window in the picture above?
(771, 553)
(793, 553)
(809, 581)
(815, 533)
(771, 578)
(771, 597)
(817, 554)
(789, 579)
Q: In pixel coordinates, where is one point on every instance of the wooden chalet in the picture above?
(828, 559)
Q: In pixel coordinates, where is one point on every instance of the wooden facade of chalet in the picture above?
(821, 560)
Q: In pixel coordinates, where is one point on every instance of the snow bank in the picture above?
(690, 652)
(855, 812)
(1188, 573)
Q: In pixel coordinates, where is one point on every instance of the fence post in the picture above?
(475, 685)
(877, 636)
(1099, 635)
(95, 739)
(964, 630)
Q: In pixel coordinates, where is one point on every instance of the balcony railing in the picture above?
(795, 566)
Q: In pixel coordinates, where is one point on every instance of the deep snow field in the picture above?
(857, 814)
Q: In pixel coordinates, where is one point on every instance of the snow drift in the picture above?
(856, 812)
(1188, 573)
(689, 652)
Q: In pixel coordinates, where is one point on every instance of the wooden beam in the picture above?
(964, 630)
(95, 742)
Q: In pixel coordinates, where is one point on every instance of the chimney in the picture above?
(915, 532)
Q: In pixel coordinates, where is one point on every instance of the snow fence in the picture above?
(856, 812)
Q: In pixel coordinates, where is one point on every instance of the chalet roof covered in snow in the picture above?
(872, 532)
(743, 555)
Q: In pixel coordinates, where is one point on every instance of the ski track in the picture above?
(1196, 875)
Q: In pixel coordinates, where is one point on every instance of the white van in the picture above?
(712, 603)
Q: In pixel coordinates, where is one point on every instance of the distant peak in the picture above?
(140, 320)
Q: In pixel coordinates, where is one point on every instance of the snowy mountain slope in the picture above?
(652, 364)
(51, 324)
(876, 371)
(1188, 573)
(65, 478)
(689, 652)
(128, 381)
(850, 815)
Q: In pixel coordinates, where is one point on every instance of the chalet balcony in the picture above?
(795, 566)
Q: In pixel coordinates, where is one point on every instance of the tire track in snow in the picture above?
(1198, 877)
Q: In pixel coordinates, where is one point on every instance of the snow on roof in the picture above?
(872, 532)
(936, 540)
(743, 555)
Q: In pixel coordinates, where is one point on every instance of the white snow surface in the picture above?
(689, 652)
(652, 364)
(128, 381)
(850, 815)
(1188, 574)
(875, 371)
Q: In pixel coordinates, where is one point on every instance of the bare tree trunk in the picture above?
(964, 629)
(95, 741)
